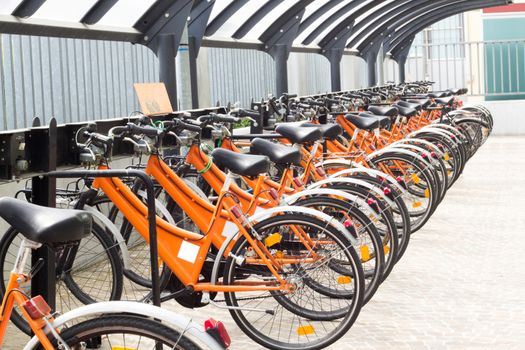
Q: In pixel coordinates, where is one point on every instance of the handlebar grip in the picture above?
(248, 113)
(99, 139)
(290, 95)
(135, 129)
(181, 125)
(118, 130)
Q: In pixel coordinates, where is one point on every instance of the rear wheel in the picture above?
(86, 273)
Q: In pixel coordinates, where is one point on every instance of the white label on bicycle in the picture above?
(188, 251)
(229, 229)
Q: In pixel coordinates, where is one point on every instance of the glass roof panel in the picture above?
(314, 6)
(367, 27)
(240, 17)
(268, 20)
(218, 6)
(64, 10)
(8, 6)
(125, 13)
(322, 19)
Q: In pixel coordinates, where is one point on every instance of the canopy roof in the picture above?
(353, 26)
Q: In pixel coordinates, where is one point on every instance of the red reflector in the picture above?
(37, 307)
(320, 172)
(237, 211)
(433, 155)
(297, 181)
(348, 223)
(387, 191)
(218, 331)
(274, 193)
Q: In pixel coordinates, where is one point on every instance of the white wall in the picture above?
(509, 116)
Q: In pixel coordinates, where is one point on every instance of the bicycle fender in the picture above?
(372, 172)
(172, 319)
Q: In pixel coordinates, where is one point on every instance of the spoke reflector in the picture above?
(446, 157)
(305, 330)
(386, 249)
(365, 253)
(427, 193)
(344, 280)
(415, 178)
(279, 254)
(272, 239)
(416, 204)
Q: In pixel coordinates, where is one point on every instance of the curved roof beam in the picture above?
(316, 14)
(416, 26)
(394, 22)
(27, 8)
(97, 11)
(199, 16)
(340, 13)
(379, 23)
(289, 18)
(255, 18)
(225, 15)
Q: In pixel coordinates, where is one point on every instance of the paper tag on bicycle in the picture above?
(229, 229)
(446, 157)
(188, 251)
(415, 178)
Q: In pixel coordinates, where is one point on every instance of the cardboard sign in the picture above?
(153, 98)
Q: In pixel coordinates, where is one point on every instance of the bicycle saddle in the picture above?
(423, 102)
(364, 123)
(329, 131)
(406, 111)
(241, 164)
(299, 134)
(384, 121)
(43, 224)
(437, 94)
(388, 111)
(278, 153)
(416, 106)
(446, 101)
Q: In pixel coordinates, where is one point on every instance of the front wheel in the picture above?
(123, 332)
(302, 318)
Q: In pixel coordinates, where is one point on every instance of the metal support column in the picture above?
(192, 53)
(280, 54)
(166, 53)
(335, 56)
(371, 60)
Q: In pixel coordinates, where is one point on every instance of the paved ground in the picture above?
(461, 285)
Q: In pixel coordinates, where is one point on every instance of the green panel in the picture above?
(503, 59)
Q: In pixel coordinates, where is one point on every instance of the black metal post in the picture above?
(371, 68)
(44, 193)
(194, 83)
(280, 55)
(166, 52)
(401, 67)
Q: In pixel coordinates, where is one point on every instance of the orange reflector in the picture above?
(446, 157)
(305, 330)
(272, 239)
(416, 204)
(386, 249)
(344, 280)
(365, 253)
(415, 178)
(427, 193)
(279, 254)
